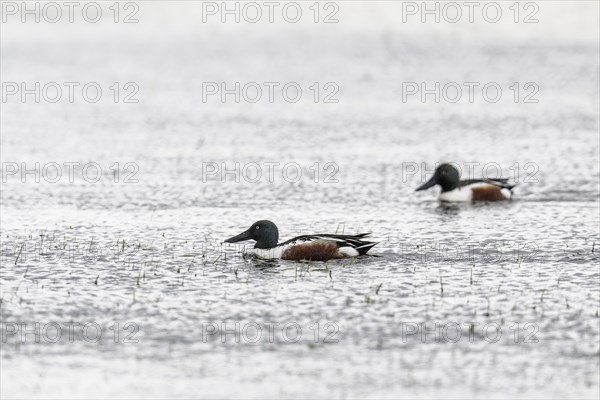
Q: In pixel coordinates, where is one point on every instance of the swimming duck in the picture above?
(317, 247)
(455, 190)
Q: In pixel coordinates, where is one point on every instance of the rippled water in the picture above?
(487, 300)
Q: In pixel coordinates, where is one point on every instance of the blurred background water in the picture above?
(147, 248)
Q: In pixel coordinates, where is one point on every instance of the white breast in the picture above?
(459, 194)
(268, 254)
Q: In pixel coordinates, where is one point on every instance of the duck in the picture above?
(469, 190)
(315, 247)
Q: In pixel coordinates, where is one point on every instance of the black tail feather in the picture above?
(363, 249)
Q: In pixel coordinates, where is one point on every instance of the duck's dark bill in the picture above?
(242, 236)
(427, 184)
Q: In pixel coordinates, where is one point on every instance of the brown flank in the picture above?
(487, 193)
(319, 250)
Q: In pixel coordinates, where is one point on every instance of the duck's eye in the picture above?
(258, 227)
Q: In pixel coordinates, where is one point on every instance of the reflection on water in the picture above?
(450, 209)
(268, 266)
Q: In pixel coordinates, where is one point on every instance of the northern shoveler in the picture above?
(455, 190)
(318, 247)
